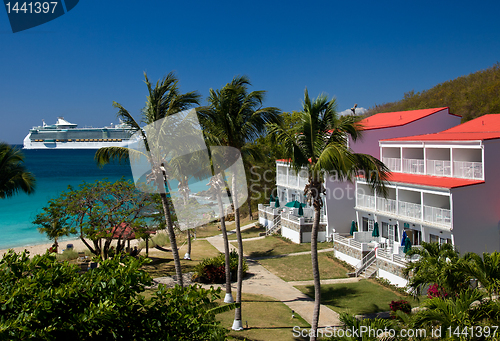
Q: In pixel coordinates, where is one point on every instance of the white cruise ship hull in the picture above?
(30, 144)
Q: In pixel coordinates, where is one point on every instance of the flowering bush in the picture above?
(435, 291)
(402, 305)
(213, 270)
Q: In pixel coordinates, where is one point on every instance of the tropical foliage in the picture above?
(318, 143)
(234, 118)
(98, 211)
(468, 96)
(163, 100)
(43, 299)
(14, 177)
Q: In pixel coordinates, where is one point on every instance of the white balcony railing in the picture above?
(413, 166)
(393, 163)
(437, 215)
(468, 170)
(281, 179)
(386, 205)
(363, 200)
(410, 210)
(439, 168)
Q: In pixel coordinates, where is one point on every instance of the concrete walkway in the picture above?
(262, 282)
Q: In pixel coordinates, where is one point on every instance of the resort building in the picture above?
(338, 209)
(443, 188)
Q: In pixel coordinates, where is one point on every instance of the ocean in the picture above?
(54, 170)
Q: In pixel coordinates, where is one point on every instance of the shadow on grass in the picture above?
(258, 254)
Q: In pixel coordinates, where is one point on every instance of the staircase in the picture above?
(367, 267)
(275, 227)
(369, 271)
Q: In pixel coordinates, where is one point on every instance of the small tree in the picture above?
(97, 211)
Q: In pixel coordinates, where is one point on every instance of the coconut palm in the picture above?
(486, 269)
(14, 177)
(438, 263)
(164, 99)
(235, 117)
(465, 310)
(318, 143)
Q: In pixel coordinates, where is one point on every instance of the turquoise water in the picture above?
(54, 171)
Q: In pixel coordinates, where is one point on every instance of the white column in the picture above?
(451, 162)
(425, 160)
(422, 206)
(401, 156)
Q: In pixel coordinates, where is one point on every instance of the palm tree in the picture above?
(438, 263)
(318, 143)
(486, 269)
(14, 177)
(235, 117)
(163, 100)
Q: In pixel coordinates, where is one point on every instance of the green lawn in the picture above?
(247, 233)
(363, 297)
(163, 263)
(267, 319)
(274, 246)
(298, 268)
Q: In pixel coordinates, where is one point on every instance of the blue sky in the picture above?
(364, 52)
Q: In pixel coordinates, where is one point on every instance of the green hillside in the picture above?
(469, 96)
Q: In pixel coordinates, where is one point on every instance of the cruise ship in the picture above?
(66, 135)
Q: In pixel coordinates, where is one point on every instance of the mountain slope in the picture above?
(469, 96)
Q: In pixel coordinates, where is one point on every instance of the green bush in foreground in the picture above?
(213, 270)
(43, 299)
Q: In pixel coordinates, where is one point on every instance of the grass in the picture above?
(163, 263)
(298, 268)
(275, 246)
(363, 297)
(248, 233)
(267, 319)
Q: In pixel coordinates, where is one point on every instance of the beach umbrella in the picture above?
(375, 232)
(404, 238)
(353, 228)
(295, 204)
(301, 211)
(407, 245)
(277, 203)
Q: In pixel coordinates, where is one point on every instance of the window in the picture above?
(371, 223)
(433, 238)
(365, 224)
(392, 232)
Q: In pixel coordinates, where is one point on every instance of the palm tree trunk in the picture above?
(237, 324)
(229, 295)
(249, 203)
(171, 236)
(188, 253)
(315, 268)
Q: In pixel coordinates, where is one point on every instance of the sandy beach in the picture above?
(39, 249)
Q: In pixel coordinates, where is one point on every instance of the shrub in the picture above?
(213, 270)
(402, 305)
(67, 254)
(435, 291)
(44, 299)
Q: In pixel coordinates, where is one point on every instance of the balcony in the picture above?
(367, 201)
(281, 179)
(410, 210)
(387, 205)
(413, 166)
(439, 168)
(468, 170)
(393, 163)
(437, 215)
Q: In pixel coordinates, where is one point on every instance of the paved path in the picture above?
(262, 282)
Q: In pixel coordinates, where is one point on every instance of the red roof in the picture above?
(396, 119)
(485, 127)
(432, 181)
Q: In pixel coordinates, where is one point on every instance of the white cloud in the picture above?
(359, 111)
